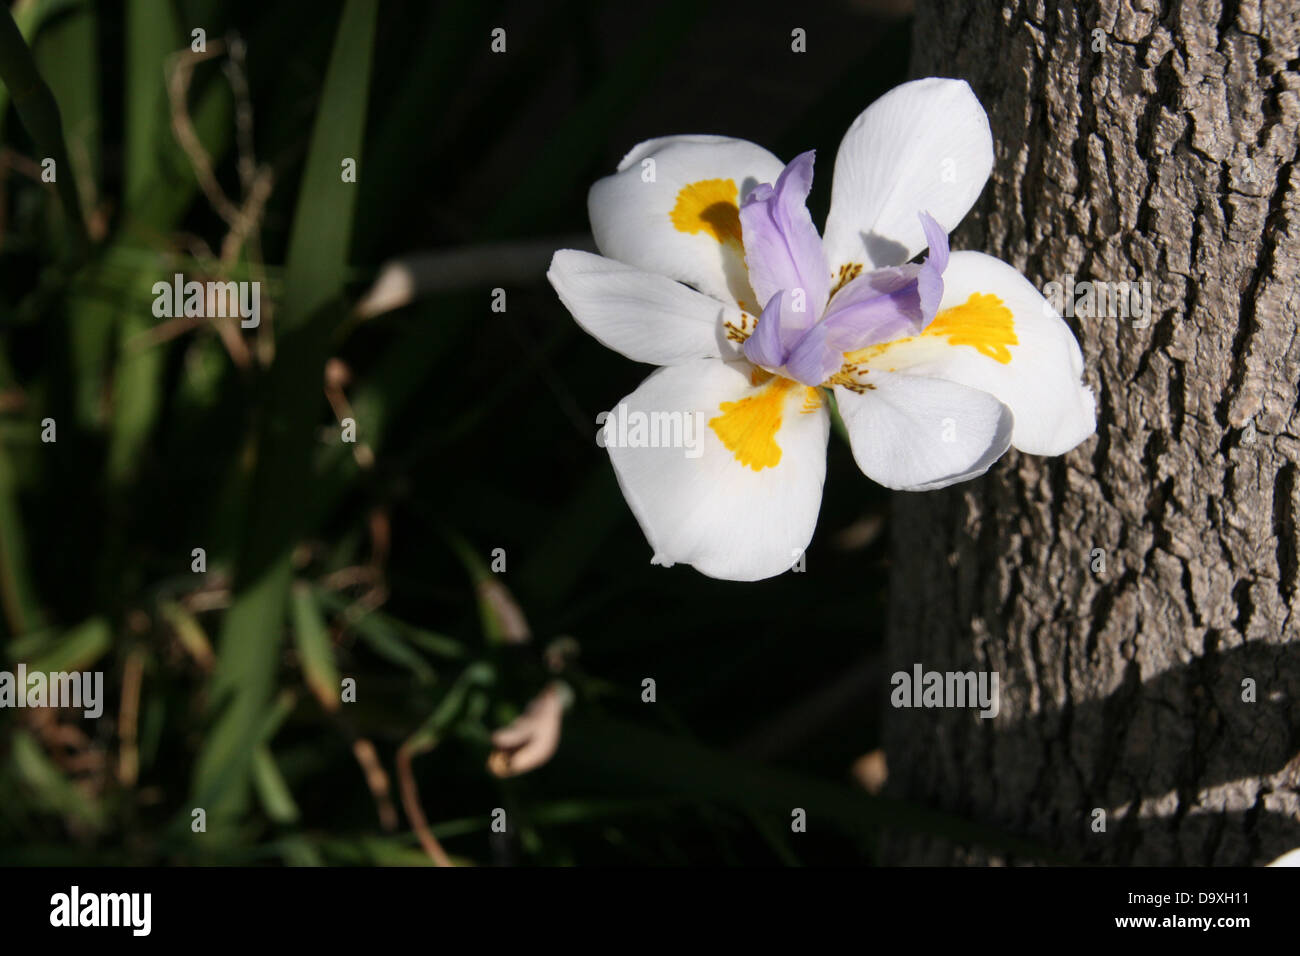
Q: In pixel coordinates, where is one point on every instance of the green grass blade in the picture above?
(383, 628)
(322, 230)
(315, 650)
(76, 650)
(39, 113)
(152, 34)
(29, 15)
(55, 792)
(22, 610)
(66, 52)
(272, 789)
(318, 249)
(159, 180)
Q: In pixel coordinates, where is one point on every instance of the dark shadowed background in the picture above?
(476, 431)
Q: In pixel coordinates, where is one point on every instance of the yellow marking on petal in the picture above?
(710, 205)
(812, 400)
(748, 427)
(860, 358)
(981, 322)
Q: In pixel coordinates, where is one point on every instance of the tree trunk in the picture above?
(1127, 593)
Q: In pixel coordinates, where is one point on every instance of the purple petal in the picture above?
(929, 288)
(880, 306)
(782, 247)
(815, 359)
(765, 346)
(938, 241)
(889, 303)
(930, 278)
(877, 307)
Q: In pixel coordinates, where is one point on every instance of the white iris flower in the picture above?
(713, 269)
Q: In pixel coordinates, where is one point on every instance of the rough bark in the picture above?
(1168, 155)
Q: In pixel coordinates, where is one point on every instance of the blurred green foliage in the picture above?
(325, 563)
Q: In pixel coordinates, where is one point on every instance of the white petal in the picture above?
(721, 514)
(673, 209)
(1036, 369)
(1290, 858)
(648, 318)
(924, 146)
(914, 434)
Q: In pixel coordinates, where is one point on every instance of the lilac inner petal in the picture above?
(930, 279)
(782, 247)
(765, 347)
(878, 307)
(789, 273)
(938, 241)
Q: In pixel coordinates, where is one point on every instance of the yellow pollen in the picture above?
(748, 427)
(711, 206)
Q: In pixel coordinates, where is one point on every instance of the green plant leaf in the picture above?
(315, 650)
(39, 112)
(318, 248)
